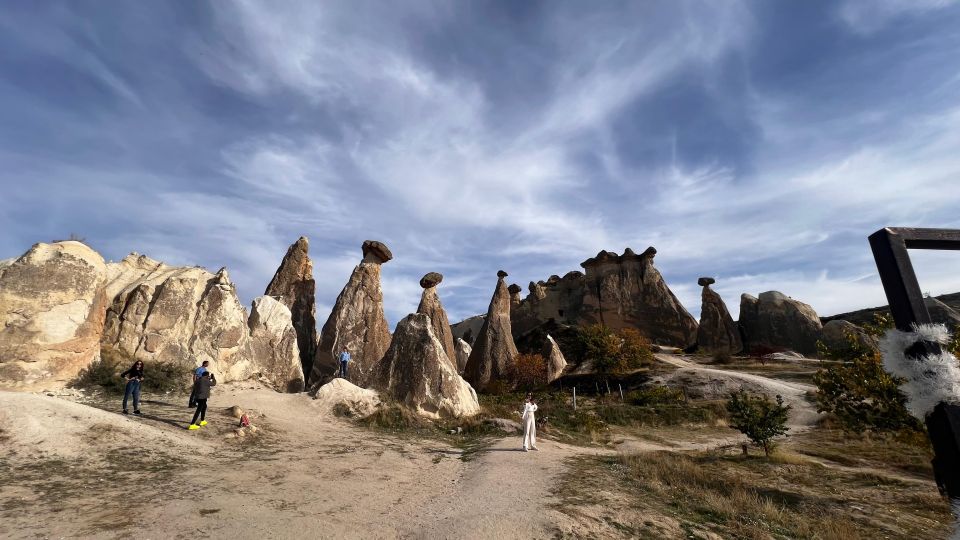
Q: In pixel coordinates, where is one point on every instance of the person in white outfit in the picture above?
(529, 424)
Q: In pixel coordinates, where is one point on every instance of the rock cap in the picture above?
(501, 274)
(431, 279)
(514, 289)
(377, 252)
(706, 281)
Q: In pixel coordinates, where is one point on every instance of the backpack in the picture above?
(244, 420)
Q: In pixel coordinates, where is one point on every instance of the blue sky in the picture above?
(757, 142)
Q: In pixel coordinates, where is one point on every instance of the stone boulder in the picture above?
(494, 351)
(835, 338)
(777, 321)
(468, 329)
(556, 363)
(52, 304)
(293, 285)
(718, 332)
(273, 350)
(359, 402)
(416, 373)
(357, 323)
(431, 306)
(463, 354)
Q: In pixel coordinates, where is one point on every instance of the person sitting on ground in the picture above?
(529, 424)
(134, 377)
(197, 373)
(202, 394)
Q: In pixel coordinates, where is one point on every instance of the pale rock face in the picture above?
(835, 336)
(52, 303)
(294, 286)
(463, 354)
(360, 401)
(718, 332)
(431, 306)
(468, 329)
(494, 351)
(776, 320)
(273, 349)
(417, 373)
(357, 323)
(556, 363)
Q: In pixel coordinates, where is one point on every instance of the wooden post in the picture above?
(621, 392)
(607, 382)
(574, 398)
(596, 386)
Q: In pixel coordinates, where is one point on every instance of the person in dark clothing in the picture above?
(201, 393)
(134, 377)
(197, 373)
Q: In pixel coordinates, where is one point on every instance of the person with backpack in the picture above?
(201, 393)
(197, 373)
(134, 377)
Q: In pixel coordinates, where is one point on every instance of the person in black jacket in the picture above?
(201, 392)
(134, 377)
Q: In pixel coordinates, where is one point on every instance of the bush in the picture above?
(615, 352)
(655, 395)
(758, 418)
(529, 371)
(722, 358)
(159, 377)
(860, 393)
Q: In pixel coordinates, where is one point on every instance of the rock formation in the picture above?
(60, 305)
(493, 351)
(52, 303)
(778, 321)
(468, 329)
(357, 323)
(417, 373)
(618, 291)
(431, 307)
(350, 398)
(274, 353)
(717, 333)
(556, 363)
(293, 285)
(514, 291)
(463, 354)
(835, 338)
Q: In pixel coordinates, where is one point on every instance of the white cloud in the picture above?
(868, 16)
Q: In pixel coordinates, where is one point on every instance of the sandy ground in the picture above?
(73, 470)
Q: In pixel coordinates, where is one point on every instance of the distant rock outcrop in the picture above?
(463, 354)
(718, 332)
(618, 291)
(493, 351)
(469, 328)
(835, 336)
(431, 306)
(273, 349)
(777, 321)
(52, 303)
(357, 323)
(416, 372)
(142, 308)
(294, 287)
(556, 363)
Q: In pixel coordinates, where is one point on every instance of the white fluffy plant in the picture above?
(928, 379)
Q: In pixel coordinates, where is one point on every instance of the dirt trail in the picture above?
(803, 415)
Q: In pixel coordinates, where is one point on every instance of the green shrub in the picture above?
(159, 377)
(760, 419)
(722, 358)
(655, 395)
(615, 352)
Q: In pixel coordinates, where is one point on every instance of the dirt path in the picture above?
(803, 415)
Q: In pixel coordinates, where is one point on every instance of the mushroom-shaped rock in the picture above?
(494, 351)
(556, 363)
(416, 373)
(376, 252)
(501, 274)
(463, 354)
(431, 279)
(273, 345)
(431, 306)
(293, 285)
(357, 323)
(717, 333)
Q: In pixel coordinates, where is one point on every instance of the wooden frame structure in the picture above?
(900, 284)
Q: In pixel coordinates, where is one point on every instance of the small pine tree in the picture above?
(760, 419)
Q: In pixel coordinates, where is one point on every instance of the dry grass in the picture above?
(732, 496)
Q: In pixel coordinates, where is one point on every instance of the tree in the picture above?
(528, 371)
(859, 392)
(615, 352)
(758, 418)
